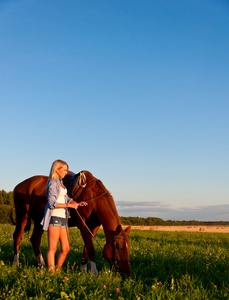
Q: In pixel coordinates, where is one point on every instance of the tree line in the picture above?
(6, 198)
(138, 221)
(6, 207)
(7, 215)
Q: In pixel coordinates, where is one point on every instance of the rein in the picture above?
(92, 234)
(114, 263)
(89, 200)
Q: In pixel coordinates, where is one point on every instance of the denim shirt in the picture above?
(52, 193)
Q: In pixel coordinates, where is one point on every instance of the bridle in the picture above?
(115, 263)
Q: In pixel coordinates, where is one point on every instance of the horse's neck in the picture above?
(106, 210)
(110, 220)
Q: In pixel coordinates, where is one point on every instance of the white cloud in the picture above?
(166, 212)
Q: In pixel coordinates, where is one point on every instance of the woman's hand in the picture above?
(83, 203)
(73, 204)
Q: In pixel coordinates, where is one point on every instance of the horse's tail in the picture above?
(22, 201)
(11, 216)
(28, 224)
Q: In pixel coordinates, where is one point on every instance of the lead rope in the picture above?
(92, 235)
(115, 264)
(95, 197)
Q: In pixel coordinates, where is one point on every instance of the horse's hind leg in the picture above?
(36, 241)
(21, 221)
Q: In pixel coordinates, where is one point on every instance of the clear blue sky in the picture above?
(134, 91)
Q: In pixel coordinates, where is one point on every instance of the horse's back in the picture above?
(29, 188)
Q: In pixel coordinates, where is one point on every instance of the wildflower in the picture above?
(65, 278)
(104, 287)
(118, 290)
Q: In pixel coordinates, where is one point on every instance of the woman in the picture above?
(56, 214)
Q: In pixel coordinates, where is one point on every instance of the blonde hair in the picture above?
(56, 165)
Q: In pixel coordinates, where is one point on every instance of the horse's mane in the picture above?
(91, 181)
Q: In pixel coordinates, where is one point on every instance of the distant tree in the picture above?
(6, 214)
(151, 221)
(1, 198)
(6, 198)
(11, 199)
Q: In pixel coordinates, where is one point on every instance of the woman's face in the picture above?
(62, 171)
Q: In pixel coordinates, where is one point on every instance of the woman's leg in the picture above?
(53, 238)
(65, 246)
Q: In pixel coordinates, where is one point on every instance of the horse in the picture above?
(30, 202)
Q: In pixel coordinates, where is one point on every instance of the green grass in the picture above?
(165, 265)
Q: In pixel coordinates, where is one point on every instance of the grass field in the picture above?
(165, 265)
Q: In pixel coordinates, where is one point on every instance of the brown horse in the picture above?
(30, 202)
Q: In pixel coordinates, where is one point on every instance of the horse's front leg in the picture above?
(89, 250)
(83, 265)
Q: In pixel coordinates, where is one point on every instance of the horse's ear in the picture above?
(118, 230)
(128, 229)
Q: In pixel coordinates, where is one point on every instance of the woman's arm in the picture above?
(52, 193)
(71, 204)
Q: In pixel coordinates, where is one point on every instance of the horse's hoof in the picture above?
(40, 267)
(16, 263)
(83, 268)
(16, 260)
(95, 273)
(40, 261)
(94, 270)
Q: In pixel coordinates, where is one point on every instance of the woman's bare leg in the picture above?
(65, 247)
(53, 238)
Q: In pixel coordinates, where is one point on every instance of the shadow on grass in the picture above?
(165, 268)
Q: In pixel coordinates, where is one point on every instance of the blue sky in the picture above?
(136, 92)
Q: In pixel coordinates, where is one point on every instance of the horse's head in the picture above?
(116, 251)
